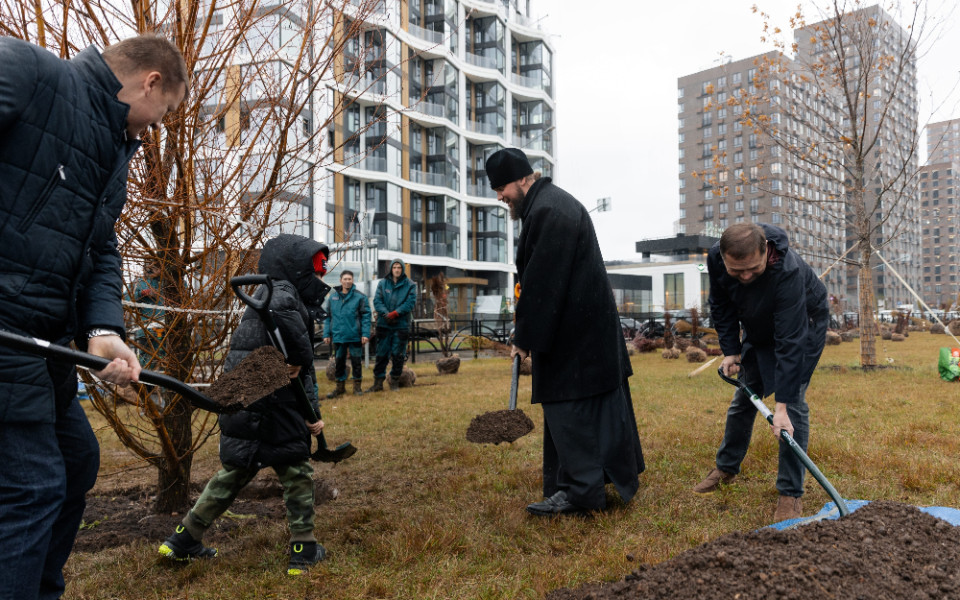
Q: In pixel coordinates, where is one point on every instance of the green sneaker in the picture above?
(304, 555)
(182, 547)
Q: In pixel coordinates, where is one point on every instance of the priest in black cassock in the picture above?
(566, 319)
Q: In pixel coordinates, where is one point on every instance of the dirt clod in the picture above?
(499, 426)
(883, 551)
(259, 374)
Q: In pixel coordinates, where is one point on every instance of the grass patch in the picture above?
(422, 513)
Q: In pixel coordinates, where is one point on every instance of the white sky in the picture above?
(616, 68)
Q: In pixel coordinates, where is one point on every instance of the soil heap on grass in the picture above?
(259, 374)
(499, 426)
(883, 551)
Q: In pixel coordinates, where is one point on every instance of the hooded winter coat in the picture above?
(783, 314)
(272, 431)
(63, 183)
(400, 296)
(566, 314)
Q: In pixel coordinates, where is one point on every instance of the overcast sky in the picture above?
(616, 71)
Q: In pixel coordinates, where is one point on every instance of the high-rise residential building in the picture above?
(435, 87)
(737, 166)
(943, 142)
(891, 117)
(729, 172)
(421, 94)
(940, 211)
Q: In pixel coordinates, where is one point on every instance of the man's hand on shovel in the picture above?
(124, 366)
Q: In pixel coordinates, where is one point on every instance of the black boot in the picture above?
(181, 547)
(304, 555)
(341, 390)
(394, 383)
(357, 390)
(377, 385)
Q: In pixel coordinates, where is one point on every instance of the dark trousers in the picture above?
(588, 443)
(391, 345)
(739, 429)
(46, 471)
(355, 352)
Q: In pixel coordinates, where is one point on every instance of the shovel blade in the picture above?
(341, 452)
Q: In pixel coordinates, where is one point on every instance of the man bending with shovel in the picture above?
(758, 283)
(566, 319)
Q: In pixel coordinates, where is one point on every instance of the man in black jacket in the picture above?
(67, 133)
(566, 319)
(759, 284)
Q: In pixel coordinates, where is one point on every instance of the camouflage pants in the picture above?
(222, 490)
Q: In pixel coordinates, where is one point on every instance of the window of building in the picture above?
(673, 291)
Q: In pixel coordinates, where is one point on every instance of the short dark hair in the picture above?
(742, 240)
(151, 52)
(346, 272)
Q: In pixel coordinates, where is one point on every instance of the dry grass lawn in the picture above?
(422, 513)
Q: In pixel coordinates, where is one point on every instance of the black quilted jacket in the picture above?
(63, 178)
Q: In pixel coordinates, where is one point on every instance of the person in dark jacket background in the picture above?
(566, 318)
(394, 301)
(271, 432)
(68, 130)
(759, 285)
(348, 327)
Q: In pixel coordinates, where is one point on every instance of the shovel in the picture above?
(261, 307)
(502, 425)
(97, 363)
(821, 479)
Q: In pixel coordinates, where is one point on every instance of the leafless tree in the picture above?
(235, 164)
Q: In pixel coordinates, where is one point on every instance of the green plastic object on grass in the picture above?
(949, 364)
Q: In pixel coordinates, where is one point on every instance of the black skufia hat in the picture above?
(504, 166)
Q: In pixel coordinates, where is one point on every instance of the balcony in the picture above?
(523, 80)
(432, 249)
(480, 191)
(429, 35)
(374, 163)
(481, 61)
(437, 179)
(484, 128)
(429, 108)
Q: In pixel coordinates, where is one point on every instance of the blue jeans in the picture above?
(739, 429)
(46, 470)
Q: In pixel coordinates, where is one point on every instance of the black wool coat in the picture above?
(783, 315)
(566, 314)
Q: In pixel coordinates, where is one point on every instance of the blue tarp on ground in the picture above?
(830, 511)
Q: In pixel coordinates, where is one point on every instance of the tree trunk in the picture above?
(868, 327)
(173, 468)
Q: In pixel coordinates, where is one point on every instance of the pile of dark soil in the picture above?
(259, 374)
(499, 426)
(883, 551)
(125, 516)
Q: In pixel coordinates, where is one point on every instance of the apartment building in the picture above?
(730, 172)
(940, 229)
(435, 87)
(943, 142)
(738, 160)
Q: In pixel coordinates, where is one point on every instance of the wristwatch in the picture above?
(99, 331)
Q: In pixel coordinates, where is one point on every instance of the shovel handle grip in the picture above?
(238, 282)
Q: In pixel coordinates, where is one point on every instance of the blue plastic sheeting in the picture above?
(82, 391)
(830, 511)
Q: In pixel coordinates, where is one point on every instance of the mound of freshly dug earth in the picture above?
(499, 426)
(259, 374)
(883, 551)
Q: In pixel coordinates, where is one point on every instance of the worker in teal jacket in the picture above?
(348, 326)
(394, 301)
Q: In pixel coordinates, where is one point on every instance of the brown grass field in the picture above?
(424, 514)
